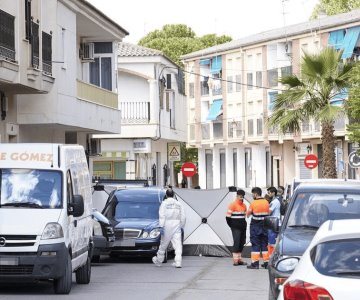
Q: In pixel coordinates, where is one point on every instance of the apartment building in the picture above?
(231, 89)
(57, 79)
(153, 118)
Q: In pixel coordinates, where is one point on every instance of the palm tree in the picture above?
(323, 77)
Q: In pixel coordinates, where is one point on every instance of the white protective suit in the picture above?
(171, 219)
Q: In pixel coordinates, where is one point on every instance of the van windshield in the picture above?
(313, 209)
(30, 188)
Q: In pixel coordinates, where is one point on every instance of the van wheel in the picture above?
(63, 285)
(83, 274)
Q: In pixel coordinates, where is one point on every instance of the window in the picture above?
(258, 79)
(273, 77)
(249, 81)
(7, 35)
(35, 41)
(259, 126)
(238, 83)
(250, 127)
(229, 84)
(103, 47)
(235, 166)
(239, 132)
(286, 71)
(191, 90)
(46, 53)
(100, 72)
(231, 127)
(100, 69)
(208, 168)
(222, 168)
(204, 86)
(180, 79)
(27, 19)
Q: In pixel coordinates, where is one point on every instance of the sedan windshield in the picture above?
(30, 188)
(312, 209)
(338, 258)
(142, 210)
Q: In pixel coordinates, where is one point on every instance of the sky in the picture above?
(236, 18)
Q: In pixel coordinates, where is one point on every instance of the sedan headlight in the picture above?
(154, 233)
(145, 235)
(52, 231)
(287, 264)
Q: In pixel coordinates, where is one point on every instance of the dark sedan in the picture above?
(104, 236)
(134, 214)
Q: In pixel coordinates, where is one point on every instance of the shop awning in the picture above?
(215, 110)
(336, 39)
(349, 42)
(216, 65)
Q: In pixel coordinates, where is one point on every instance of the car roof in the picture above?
(144, 191)
(329, 184)
(337, 229)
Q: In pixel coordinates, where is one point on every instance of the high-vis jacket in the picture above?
(260, 209)
(235, 216)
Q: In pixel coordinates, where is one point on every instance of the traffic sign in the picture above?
(188, 169)
(174, 153)
(354, 159)
(311, 161)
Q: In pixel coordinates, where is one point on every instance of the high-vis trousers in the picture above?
(259, 243)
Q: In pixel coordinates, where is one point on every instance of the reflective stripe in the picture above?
(258, 218)
(238, 213)
(261, 214)
(237, 217)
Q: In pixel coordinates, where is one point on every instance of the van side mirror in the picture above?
(76, 208)
(272, 223)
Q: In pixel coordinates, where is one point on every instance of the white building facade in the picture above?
(230, 89)
(57, 71)
(153, 118)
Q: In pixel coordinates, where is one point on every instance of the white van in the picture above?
(45, 214)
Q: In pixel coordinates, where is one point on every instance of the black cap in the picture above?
(240, 192)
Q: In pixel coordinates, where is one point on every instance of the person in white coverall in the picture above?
(171, 220)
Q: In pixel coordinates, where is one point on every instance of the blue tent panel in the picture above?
(336, 39)
(215, 110)
(350, 40)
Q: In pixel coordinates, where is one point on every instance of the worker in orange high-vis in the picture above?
(258, 210)
(235, 218)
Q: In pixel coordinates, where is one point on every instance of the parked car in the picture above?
(134, 213)
(330, 266)
(104, 235)
(312, 204)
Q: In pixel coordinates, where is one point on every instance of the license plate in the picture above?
(126, 243)
(9, 261)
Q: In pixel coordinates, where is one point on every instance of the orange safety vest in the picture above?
(236, 213)
(260, 209)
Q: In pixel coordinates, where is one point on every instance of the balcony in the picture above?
(135, 112)
(93, 93)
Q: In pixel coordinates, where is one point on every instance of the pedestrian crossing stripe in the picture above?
(174, 152)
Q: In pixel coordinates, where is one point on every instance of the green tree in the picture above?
(333, 7)
(175, 40)
(307, 96)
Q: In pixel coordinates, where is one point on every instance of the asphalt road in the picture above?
(199, 278)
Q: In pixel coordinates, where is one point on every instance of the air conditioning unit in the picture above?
(87, 52)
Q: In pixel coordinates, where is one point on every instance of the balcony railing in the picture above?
(90, 92)
(135, 112)
(218, 130)
(205, 131)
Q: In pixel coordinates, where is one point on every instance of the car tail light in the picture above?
(299, 289)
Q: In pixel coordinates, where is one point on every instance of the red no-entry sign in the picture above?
(311, 161)
(188, 169)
